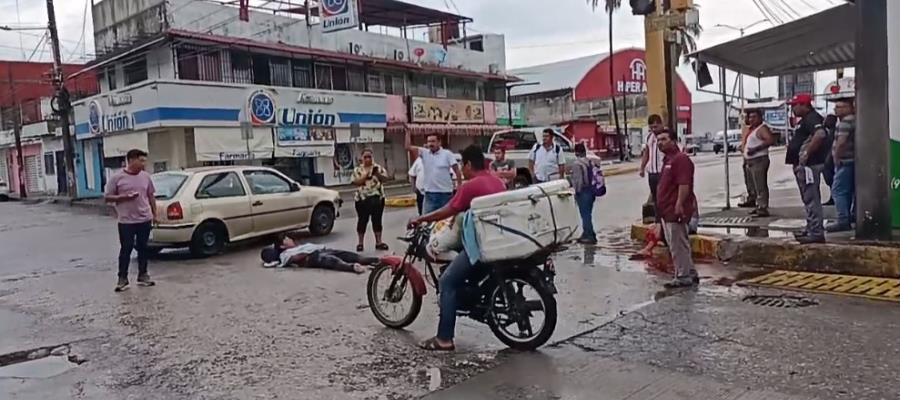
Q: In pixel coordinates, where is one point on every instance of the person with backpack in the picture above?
(587, 180)
(546, 160)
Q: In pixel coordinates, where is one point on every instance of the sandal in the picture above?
(360, 247)
(433, 345)
(382, 246)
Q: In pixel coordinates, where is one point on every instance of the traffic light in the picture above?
(643, 7)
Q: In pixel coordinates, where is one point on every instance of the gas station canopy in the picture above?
(821, 41)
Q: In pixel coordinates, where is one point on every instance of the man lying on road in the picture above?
(286, 252)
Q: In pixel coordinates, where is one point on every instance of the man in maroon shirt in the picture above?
(677, 203)
(481, 182)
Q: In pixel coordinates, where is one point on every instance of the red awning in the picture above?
(448, 129)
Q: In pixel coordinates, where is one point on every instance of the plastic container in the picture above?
(516, 224)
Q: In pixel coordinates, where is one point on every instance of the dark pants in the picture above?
(369, 208)
(420, 201)
(133, 237)
(812, 199)
(653, 180)
(585, 201)
(337, 260)
(843, 191)
(829, 172)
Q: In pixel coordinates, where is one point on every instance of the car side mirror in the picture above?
(295, 187)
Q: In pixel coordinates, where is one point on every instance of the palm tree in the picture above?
(611, 6)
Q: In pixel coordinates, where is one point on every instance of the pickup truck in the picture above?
(520, 142)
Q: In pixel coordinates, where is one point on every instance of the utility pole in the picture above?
(63, 106)
(17, 132)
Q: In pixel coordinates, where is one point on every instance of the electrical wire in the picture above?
(37, 47)
(764, 8)
(83, 28)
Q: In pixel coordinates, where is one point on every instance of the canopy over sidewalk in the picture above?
(821, 41)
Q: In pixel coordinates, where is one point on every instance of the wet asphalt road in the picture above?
(223, 328)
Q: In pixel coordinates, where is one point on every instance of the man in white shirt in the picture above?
(439, 166)
(546, 160)
(651, 156)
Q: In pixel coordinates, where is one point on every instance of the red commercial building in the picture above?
(576, 96)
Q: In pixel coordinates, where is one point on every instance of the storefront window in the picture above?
(376, 83)
(136, 70)
(262, 75)
(421, 85)
(111, 78)
(440, 86)
(196, 63)
(356, 81)
(302, 74)
(241, 67)
(323, 77)
(280, 70)
(339, 78)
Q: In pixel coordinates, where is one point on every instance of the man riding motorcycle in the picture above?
(480, 182)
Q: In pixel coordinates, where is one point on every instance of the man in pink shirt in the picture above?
(131, 192)
(481, 182)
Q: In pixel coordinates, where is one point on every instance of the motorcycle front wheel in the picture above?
(391, 298)
(515, 304)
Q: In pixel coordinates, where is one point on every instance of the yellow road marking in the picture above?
(886, 289)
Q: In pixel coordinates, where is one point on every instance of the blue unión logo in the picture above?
(95, 117)
(262, 108)
(334, 7)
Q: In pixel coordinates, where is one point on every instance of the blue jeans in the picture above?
(435, 201)
(843, 192)
(454, 277)
(585, 201)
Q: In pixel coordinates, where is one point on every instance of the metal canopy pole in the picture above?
(725, 135)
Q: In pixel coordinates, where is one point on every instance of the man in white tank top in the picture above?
(756, 160)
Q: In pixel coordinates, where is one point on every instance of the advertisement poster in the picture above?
(443, 111)
(293, 136)
(893, 12)
(343, 163)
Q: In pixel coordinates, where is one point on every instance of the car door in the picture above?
(223, 195)
(276, 202)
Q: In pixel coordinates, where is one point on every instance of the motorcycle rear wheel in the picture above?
(380, 297)
(548, 307)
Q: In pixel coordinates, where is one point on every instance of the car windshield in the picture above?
(167, 184)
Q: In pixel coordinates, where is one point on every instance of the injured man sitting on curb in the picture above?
(286, 252)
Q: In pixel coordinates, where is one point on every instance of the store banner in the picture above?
(338, 15)
(431, 110)
(501, 110)
(343, 164)
(226, 144)
(893, 13)
(119, 145)
(365, 135)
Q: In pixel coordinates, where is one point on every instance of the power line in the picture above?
(787, 6)
(38, 46)
(83, 27)
(766, 12)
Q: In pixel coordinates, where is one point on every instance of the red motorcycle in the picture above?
(515, 298)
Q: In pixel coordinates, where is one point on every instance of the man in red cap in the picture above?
(807, 152)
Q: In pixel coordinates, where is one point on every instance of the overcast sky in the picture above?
(535, 31)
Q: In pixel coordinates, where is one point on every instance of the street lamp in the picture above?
(509, 88)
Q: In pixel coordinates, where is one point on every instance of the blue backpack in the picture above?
(596, 180)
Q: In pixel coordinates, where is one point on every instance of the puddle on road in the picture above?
(41, 368)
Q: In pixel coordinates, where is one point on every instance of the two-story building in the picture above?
(575, 94)
(42, 170)
(198, 82)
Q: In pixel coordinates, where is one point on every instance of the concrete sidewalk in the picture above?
(732, 235)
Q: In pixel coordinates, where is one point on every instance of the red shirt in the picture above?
(483, 184)
(678, 169)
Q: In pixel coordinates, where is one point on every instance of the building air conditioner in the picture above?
(494, 68)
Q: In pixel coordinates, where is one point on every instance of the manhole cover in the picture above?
(727, 221)
(782, 301)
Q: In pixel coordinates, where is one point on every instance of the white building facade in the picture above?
(194, 84)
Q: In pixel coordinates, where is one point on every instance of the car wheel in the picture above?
(322, 221)
(208, 240)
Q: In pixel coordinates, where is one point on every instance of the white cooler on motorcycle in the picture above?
(516, 224)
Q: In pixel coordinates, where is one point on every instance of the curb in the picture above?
(401, 201)
(621, 170)
(847, 259)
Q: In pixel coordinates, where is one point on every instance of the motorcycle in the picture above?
(505, 295)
